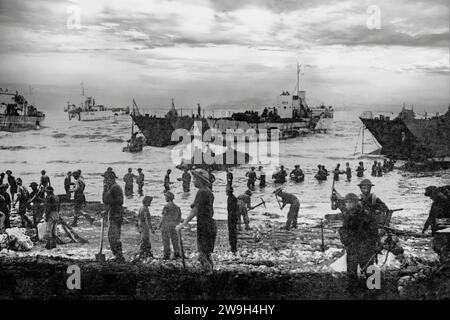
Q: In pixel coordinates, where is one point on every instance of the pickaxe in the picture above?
(259, 204)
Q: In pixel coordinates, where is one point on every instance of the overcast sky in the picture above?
(226, 51)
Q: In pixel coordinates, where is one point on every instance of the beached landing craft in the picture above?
(291, 116)
(410, 137)
(16, 114)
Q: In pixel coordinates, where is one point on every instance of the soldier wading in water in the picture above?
(202, 208)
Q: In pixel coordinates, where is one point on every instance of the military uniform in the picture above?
(167, 182)
(288, 198)
(186, 178)
(51, 216)
(359, 235)
(22, 198)
(243, 203)
(114, 199)
(371, 203)
(251, 179)
(140, 183)
(440, 209)
(233, 220)
(145, 248)
(12, 186)
(206, 226)
(360, 171)
(80, 201)
(128, 179)
(171, 216)
(5, 207)
(38, 207)
(297, 175)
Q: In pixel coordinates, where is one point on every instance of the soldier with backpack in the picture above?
(80, 200)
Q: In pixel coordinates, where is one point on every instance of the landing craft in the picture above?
(410, 137)
(16, 114)
(291, 117)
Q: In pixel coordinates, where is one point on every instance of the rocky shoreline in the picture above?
(271, 264)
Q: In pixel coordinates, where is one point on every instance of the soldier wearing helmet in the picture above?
(371, 203)
(203, 209)
(359, 235)
(289, 198)
(171, 217)
(439, 220)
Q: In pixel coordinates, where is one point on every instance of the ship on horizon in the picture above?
(16, 114)
(291, 117)
(410, 137)
(90, 111)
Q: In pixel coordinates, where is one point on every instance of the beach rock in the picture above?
(17, 240)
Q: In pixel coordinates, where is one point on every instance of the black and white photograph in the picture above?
(226, 156)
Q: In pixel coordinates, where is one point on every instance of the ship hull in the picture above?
(96, 115)
(20, 123)
(159, 131)
(412, 139)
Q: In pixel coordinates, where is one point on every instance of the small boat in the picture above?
(135, 144)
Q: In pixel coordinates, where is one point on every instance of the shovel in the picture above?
(180, 242)
(100, 257)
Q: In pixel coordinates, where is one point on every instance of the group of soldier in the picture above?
(42, 202)
(364, 217)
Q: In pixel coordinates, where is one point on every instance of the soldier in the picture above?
(297, 174)
(140, 182)
(128, 179)
(262, 177)
(359, 235)
(251, 178)
(67, 184)
(385, 166)
(374, 168)
(22, 197)
(37, 200)
(320, 175)
(114, 200)
(360, 170)
(280, 175)
(171, 217)
(229, 177)
(203, 209)
(348, 171)
(186, 178)
(440, 211)
(12, 184)
(5, 206)
(51, 216)
(80, 200)
(144, 226)
(371, 203)
(45, 180)
(167, 182)
(233, 219)
(244, 205)
(336, 172)
(379, 170)
(288, 198)
(2, 177)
